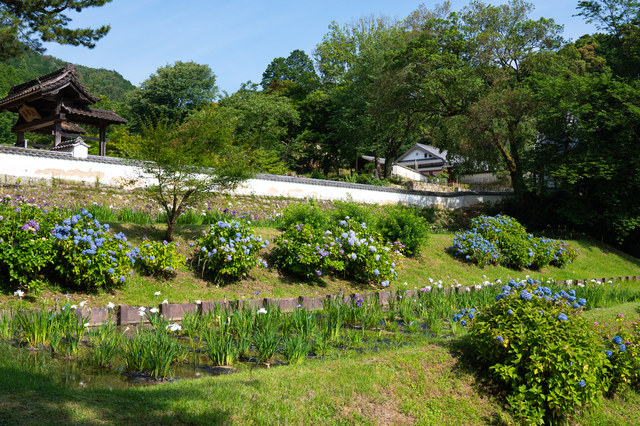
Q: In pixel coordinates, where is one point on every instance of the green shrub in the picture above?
(356, 212)
(400, 223)
(159, 259)
(309, 214)
(367, 258)
(542, 350)
(228, 251)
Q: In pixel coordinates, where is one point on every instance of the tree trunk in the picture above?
(171, 224)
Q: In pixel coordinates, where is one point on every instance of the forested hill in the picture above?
(101, 82)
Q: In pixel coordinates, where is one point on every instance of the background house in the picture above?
(425, 159)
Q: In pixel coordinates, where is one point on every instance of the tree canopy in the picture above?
(173, 92)
(27, 24)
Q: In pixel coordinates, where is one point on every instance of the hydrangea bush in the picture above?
(390, 223)
(501, 239)
(88, 256)
(349, 247)
(228, 251)
(541, 349)
(365, 254)
(303, 251)
(25, 244)
(159, 259)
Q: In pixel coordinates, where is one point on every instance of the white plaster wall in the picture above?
(408, 173)
(64, 166)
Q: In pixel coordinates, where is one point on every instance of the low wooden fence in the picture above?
(124, 315)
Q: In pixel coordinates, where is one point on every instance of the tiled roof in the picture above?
(72, 128)
(100, 114)
(69, 143)
(48, 83)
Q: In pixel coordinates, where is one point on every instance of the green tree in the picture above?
(297, 68)
(619, 42)
(263, 122)
(187, 162)
(470, 71)
(172, 93)
(26, 24)
(591, 145)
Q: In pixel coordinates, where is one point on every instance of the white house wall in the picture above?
(30, 164)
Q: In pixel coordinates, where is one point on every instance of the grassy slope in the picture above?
(596, 261)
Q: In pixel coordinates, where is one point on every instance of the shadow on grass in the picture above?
(466, 362)
(33, 399)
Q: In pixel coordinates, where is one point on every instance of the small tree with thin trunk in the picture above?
(182, 165)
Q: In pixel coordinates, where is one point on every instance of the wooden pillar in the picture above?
(20, 140)
(103, 141)
(57, 133)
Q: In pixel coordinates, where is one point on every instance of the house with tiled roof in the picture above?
(425, 159)
(57, 104)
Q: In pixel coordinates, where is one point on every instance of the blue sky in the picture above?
(238, 39)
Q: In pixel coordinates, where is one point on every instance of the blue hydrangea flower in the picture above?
(609, 353)
(562, 317)
(500, 339)
(510, 312)
(622, 348)
(617, 340)
(582, 383)
(353, 256)
(376, 272)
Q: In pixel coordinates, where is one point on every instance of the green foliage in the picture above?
(159, 259)
(34, 326)
(297, 68)
(188, 161)
(152, 352)
(404, 224)
(295, 348)
(541, 350)
(349, 246)
(220, 347)
(104, 345)
(228, 251)
(356, 212)
(312, 215)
